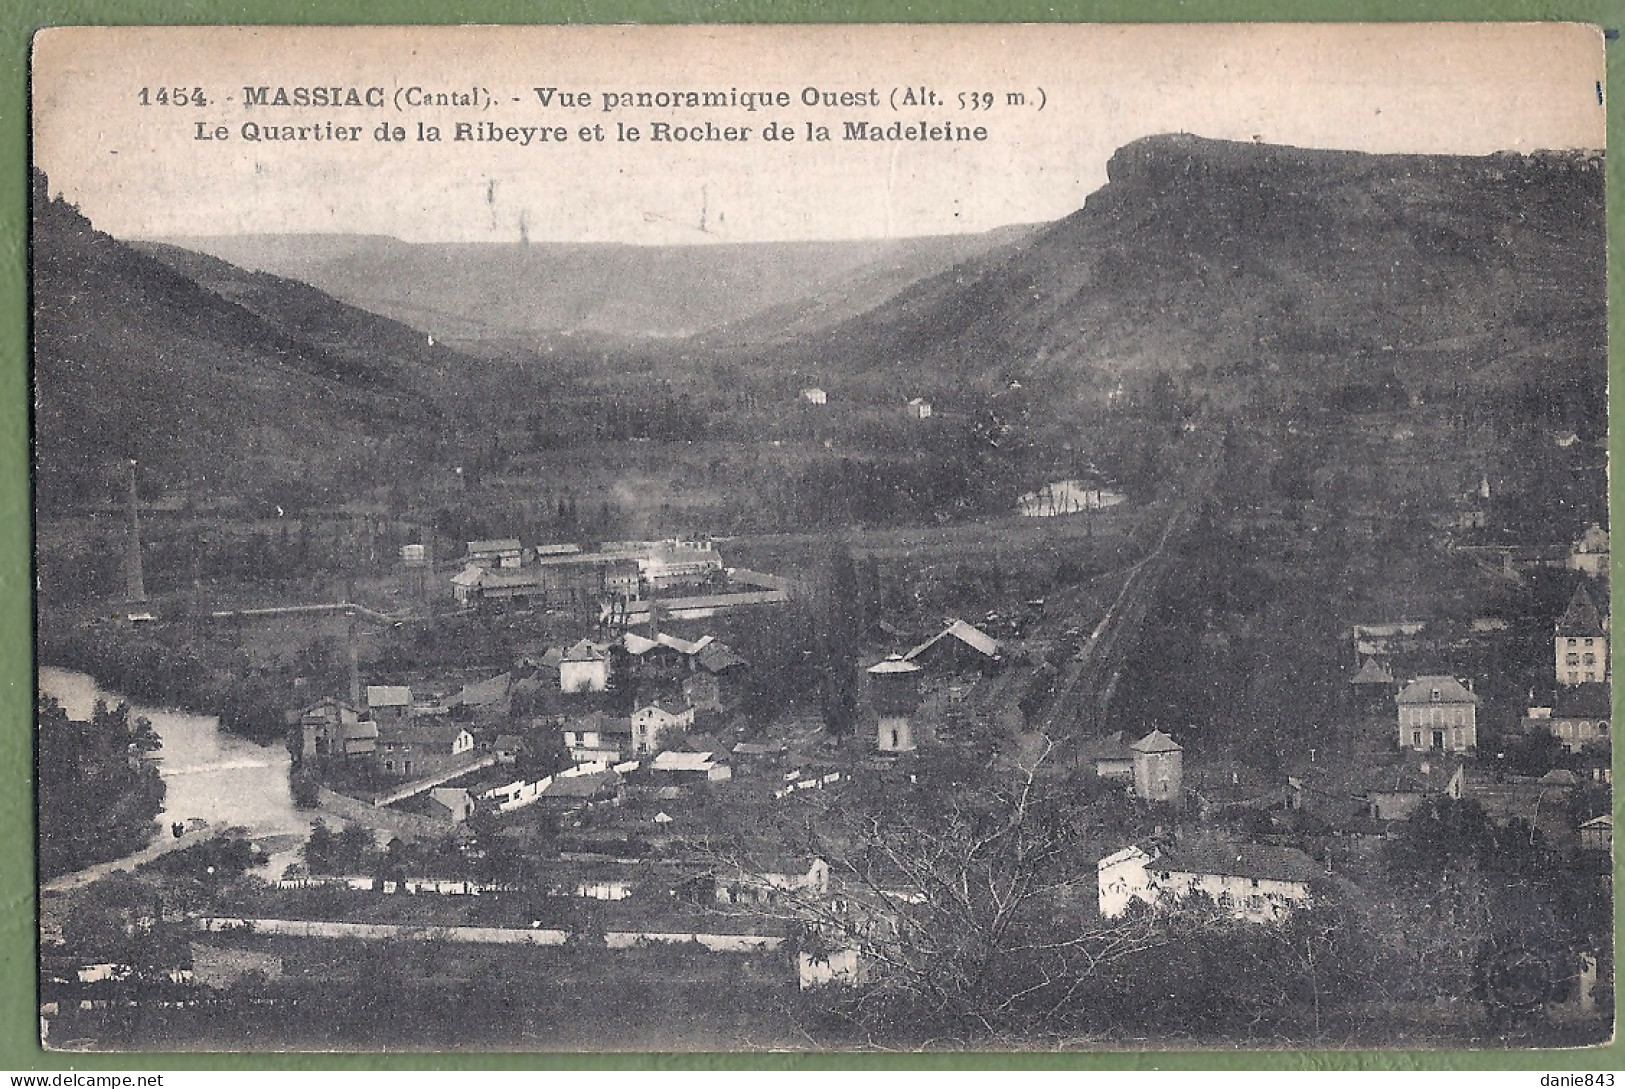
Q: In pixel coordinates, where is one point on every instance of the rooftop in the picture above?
(1250, 860)
(503, 544)
(1436, 688)
(389, 695)
(1590, 700)
(1156, 741)
(968, 634)
(1372, 673)
(1581, 618)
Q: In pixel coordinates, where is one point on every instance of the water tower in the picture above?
(894, 693)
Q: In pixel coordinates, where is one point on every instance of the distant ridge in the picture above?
(1214, 259)
(513, 291)
(236, 386)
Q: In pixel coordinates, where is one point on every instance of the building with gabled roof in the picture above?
(959, 645)
(1257, 882)
(649, 721)
(1111, 756)
(719, 659)
(389, 703)
(584, 667)
(331, 727)
(679, 766)
(1437, 712)
(1158, 767)
(577, 791)
(1372, 673)
(1580, 715)
(465, 585)
(1580, 642)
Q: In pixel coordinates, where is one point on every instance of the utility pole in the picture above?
(135, 588)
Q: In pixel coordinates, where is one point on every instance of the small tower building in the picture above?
(894, 693)
(1158, 767)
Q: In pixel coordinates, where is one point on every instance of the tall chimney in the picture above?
(353, 658)
(135, 588)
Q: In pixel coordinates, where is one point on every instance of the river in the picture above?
(226, 780)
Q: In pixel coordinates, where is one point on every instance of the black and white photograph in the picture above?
(980, 538)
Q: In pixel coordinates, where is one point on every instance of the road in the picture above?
(1076, 708)
(159, 847)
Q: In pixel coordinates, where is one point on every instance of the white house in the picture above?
(1122, 880)
(648, 723)
(814, 396)
(1250, 881)
(1437, 712)
(596, 739)
(689, 767)
(768, 879)
(465, 585)
(584, 668)
(919, 408)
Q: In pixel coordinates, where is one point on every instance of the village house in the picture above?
(1386, 640)
(1597, 834)
(408, 751)
(766, 879)
(957, 647)
(465, 585)
(500, 553)
(668, 564)
(1437, 712)
(1158, 764)
(1393, 792)
(487, 697)
(1250, 881)
(594, 788)
(597, 738)
(451, 804)
(584, 667)
(1581, 642)
(1111, 757)
(814, 396)
(652, 720)
(919, 408)
(678, 768)
(893, 689)
(508, 748)
(1372, 686)
(1590, 552)
(719, 660)
(1579, 716)
(332, 728)
(389, 704)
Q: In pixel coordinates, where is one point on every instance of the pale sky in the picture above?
(140, 171)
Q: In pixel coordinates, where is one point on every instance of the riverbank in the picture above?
(220, 779)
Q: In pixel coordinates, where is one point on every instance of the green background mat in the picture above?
(19, 1047)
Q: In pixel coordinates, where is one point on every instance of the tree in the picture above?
(841, 632)
(956, 892)
(318, 849)
(97, 796)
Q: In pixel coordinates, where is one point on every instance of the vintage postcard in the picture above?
(886, 537)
